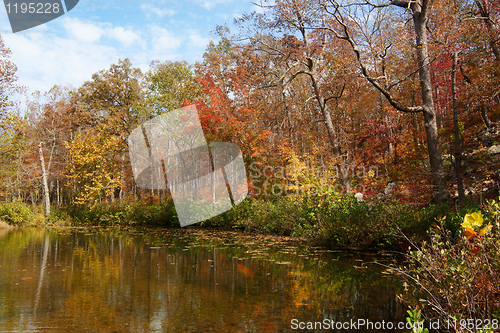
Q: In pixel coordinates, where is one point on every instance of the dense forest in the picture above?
(324, 98)
(368, 124)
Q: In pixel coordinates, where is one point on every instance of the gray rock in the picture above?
(425, 162)
(493, 150)
(390, 187)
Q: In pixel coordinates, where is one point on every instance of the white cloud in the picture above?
(91, 32)
(94, 35)
(153, 11)
(164, 42)
(67, 55)
(44, 59)
(209, 4)
(86, 32)
(196, 40)
(126, 37)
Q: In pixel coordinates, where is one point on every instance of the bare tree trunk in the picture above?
(288, 115)
(312, 65)
(58, 193)
(456, 130)
(44, 181)
(430, 121)
(486, 119)
(122, 178)
(325, 112)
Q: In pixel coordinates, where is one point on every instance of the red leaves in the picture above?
(224, 120)
(377, 136)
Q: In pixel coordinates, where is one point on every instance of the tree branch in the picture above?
(337, 96)
(398, 106)
(399, 3)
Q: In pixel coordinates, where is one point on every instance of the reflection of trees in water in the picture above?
(121, 283)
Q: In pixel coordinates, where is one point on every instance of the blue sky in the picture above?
(96, 33)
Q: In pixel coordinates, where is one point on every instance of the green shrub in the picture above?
(158, 214)
(416, 321)
(342, 221)
(59, 216)
(16, 213)
(125, 213)
(337, 221)
(278, 215)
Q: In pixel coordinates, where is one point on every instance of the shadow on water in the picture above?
(187, 280)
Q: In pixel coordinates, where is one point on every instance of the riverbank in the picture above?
(334, 221)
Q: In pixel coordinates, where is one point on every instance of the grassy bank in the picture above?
(330, 220)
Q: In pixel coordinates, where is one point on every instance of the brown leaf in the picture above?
(469, 233)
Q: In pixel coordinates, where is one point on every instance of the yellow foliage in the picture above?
(473, 220)
(94, 168)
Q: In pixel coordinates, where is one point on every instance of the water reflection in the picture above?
(181, 281)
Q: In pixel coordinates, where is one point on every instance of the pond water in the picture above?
(188, 280)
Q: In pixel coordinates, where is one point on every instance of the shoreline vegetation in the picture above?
(326, 220)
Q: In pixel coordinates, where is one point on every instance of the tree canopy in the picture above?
(339, 94)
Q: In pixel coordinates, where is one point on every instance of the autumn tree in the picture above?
(169, 84)
(223, 120)
(12, 125)
(285, 36)
(296, 49)
(220, 60)
(13, 148)
(465, 69)
(488, 12)
(480, 56)
(37, 135)
(94, 169)
(8, 78)
(53, 128)
(105, 111)
(359, 26)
